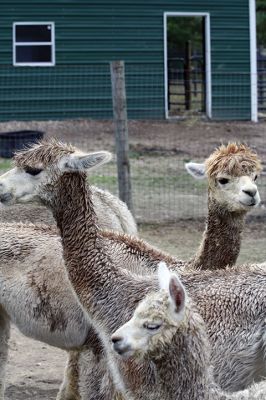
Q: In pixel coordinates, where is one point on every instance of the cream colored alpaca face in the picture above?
(23, 185)
(155, 320)
(235, 193)
(19, 186)
(135, 337)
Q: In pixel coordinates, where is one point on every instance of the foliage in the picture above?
(261, 22)
(182, 29)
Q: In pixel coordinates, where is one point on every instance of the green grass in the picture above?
(5, 164)
(103, 180)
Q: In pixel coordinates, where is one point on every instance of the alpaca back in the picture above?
(112, 213)
(232, 303)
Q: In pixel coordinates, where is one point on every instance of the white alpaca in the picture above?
(35, 293)
(232, 302)
(166, 342)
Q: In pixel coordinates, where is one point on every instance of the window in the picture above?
(33, 43)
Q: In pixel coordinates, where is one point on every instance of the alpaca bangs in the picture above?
(44, 153)
(235, 160)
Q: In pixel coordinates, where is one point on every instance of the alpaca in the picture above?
(232, 301)
(165, 342)
(232, 192)
(113, 214)
(35, 293)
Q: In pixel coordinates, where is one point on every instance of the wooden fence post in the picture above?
(121, 132)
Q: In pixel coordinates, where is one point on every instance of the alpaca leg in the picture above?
(95, 381)
(4, 337)
(69, 388)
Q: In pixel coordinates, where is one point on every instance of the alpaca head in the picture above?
(231, 172)
(156, 320)
(39, 167)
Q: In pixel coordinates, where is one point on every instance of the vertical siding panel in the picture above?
(97, 32)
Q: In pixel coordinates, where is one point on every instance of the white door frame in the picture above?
(253, 60)
(207, 58)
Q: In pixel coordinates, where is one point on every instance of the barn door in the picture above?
(187, 69)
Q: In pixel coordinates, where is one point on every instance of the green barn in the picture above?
(181, 57)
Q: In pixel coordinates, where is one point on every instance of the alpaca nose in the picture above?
(117, 340)
(119, 344)
(250, 192)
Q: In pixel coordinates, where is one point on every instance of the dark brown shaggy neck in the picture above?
(94, 276)
(73, 210)
(221, 241)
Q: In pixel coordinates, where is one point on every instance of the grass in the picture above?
(5, 164)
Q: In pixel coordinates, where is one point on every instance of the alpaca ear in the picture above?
(163, 275)
(197, 170)
(177, 293)
(84, 162)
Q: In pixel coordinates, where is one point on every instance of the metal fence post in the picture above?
(121, 131)
(187, 75)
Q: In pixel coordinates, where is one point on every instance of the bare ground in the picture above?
(191, 137)
(35, 370)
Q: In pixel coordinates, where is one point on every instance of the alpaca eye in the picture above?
(223, 181)
(32, 171)
(151, 327)
(255, 177)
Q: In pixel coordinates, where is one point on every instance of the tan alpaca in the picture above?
(232, 302)
(231, 172)
(167, 327)
(35, 293)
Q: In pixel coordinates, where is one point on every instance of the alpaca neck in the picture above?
(183, 368)
(73, 211)
(93, 275)
(221, 241)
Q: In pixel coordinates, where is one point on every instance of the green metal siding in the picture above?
(96, 32)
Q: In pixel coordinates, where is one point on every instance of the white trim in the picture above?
(253, 60)
(51, 43)
(207, 58)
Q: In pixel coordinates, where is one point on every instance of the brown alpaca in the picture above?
(231, 172)
(232, 302)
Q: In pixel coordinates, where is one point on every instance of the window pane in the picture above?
(33, 54)
(33, 33)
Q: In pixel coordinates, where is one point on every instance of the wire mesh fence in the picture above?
(162, 189)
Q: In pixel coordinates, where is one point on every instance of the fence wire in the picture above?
(162, 189)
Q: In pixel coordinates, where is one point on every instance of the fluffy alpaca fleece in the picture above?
(231, 172)
(165, 342)
(35, 293)
(232, 302)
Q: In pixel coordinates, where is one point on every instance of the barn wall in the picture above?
(96, 32)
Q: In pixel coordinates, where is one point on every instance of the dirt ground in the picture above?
(189, 137)
(35, 370)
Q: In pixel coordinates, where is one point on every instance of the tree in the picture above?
(261, 22)
(182, 29)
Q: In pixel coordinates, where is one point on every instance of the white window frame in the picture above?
(51, 43)
(207, 58)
